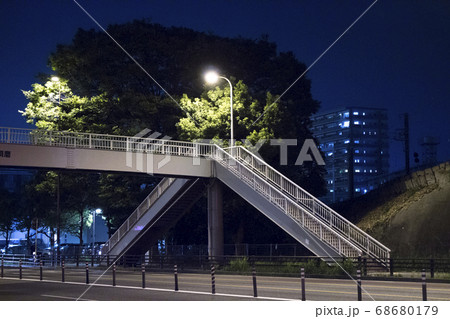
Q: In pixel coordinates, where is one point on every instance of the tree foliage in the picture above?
(53, 106)
(103, 90)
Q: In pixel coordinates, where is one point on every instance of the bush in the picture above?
(238, 265)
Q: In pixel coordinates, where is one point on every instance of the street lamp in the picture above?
(58, 207)
(94, 215)
(56, 79)
(212, 77)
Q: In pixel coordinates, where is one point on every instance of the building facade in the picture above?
(355, 145)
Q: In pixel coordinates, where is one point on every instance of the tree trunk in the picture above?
(28, 240)
(8, 233)
(81, 228)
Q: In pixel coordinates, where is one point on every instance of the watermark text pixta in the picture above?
(143, 146)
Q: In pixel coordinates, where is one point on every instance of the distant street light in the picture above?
(212, 77)
(94, 215)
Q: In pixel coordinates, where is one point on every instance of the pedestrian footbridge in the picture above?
(190, 169)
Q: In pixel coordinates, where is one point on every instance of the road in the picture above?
(192, 286)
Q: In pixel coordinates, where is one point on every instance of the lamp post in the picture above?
(212, 77)
(56, 79)
(94, 214)
(58, 207)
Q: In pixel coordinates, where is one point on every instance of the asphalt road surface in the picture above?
(160, 286)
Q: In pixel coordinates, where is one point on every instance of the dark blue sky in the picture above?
(396, 57)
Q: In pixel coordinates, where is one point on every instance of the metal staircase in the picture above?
(325, 223)
(159, 211)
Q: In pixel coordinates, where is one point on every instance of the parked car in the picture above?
(70, 250)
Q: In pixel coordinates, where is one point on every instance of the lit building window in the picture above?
(346, 115)
(357, 171)
(356, 151)
(356, 141)
(330, 154)
(345, 124)
(357, 190)
(355, 113)
(346, 141)
(356, 122)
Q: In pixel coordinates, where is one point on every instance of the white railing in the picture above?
(104, 142)
(284, 192)
(137, 214)
(365, 242)
(306, 219)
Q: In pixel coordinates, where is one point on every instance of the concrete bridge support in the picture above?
(215, 219)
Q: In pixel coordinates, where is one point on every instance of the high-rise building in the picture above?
(355, 143)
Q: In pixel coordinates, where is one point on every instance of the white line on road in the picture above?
(63, 297)
(150, 289)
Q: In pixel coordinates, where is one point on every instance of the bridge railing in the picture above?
(312, 204)
(103, 142)
(287, 205)
(137, 214)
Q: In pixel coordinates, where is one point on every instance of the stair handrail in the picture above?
(290, 207)
(129, 223)
(333, 219)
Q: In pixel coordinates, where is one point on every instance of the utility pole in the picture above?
(406, 133)
(58, 218)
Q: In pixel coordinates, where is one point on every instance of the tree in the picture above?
(125, 100)
(53, 106)
(175, 58)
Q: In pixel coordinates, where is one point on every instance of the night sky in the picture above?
(397, 56)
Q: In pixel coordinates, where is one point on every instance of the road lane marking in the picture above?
(245, 287)
(63, 297)
(149, 289)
